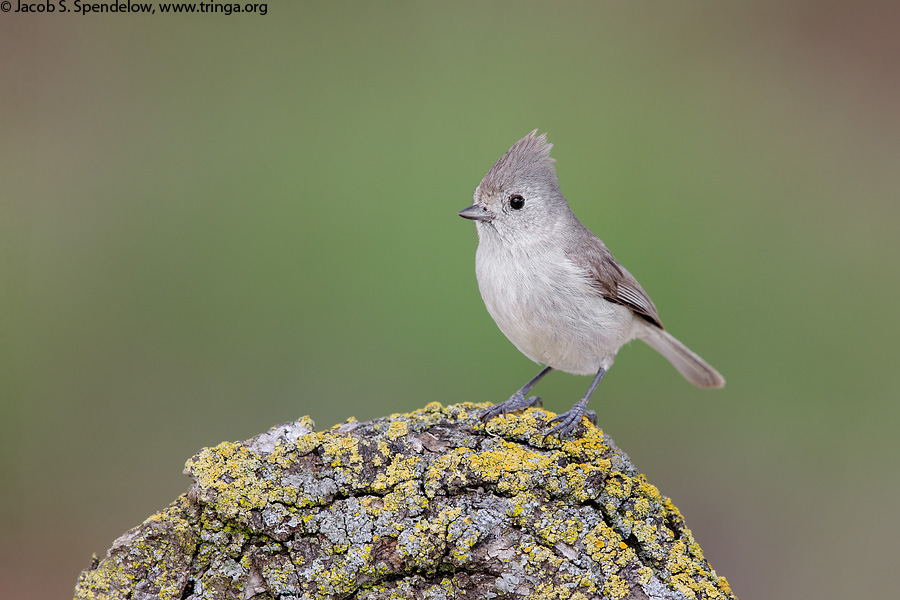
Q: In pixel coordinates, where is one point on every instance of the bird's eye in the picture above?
(516, 202)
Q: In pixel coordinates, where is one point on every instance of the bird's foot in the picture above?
(516, 402)
(568, 420)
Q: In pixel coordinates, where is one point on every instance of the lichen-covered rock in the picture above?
(432, 504)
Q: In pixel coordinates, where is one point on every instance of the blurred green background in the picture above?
(211, 225)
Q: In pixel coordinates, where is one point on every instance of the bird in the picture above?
(554, 289)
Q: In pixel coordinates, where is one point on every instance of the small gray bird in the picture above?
(552, 286)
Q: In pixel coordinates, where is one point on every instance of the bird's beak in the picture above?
(476, 213)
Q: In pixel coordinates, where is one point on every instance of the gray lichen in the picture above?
(431, 504)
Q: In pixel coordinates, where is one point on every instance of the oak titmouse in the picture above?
(552, 286)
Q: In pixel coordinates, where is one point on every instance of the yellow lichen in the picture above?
(343, 450)
(644, 532)
(397, 430)
(641, 508)
(401, 469)
(604, 544)
(572, 481)
(615, 587)
(618, 485)
(553, 531)
(510, 466)
(648, 490)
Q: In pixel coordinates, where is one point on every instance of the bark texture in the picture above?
(431, 504)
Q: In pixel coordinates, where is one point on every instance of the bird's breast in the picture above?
(548, 309)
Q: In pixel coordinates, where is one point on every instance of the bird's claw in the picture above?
(516, 402)
(569, 420)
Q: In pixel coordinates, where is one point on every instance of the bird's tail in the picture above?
(692, 367)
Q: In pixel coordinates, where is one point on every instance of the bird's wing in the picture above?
(612, 280)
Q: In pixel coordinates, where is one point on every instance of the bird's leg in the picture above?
(568, 420)
(517, 401)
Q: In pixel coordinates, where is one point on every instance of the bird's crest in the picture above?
(527, 161)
